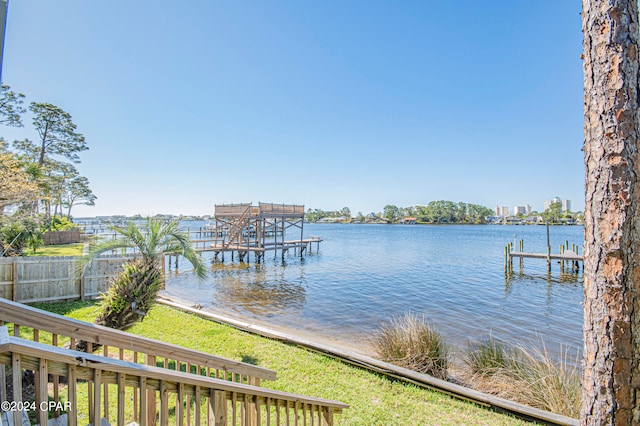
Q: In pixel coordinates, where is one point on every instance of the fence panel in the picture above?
(97, 276)
(40, 279)
(61, 237)
(6, 277)
(46, 278)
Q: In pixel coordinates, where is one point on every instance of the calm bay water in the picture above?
(364, 274)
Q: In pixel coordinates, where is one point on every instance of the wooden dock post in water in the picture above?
(521, 250)
(548, 250)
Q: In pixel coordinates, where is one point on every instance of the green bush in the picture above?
(15, 234)
(527, 375)
(411, 342)
(59, 223)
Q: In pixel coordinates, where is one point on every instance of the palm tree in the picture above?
(133, 292)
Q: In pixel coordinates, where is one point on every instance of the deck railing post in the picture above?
(97, 387)
(16, 365)
(72, 397)
(121, 397)
(217, 408)
(3, 384)
(144, 409)
(151, 395)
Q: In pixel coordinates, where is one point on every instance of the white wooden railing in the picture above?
(94, 389)
(43, 326)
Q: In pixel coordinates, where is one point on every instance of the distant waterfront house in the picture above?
(338, 219)
(493, 219)
(409, 220)
(513, 220)
(534, 220)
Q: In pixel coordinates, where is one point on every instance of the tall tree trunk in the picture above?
(43, 144)
(612, 228)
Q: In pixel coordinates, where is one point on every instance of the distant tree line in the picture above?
(318, 214)
(39, 183)
(554, 214)
(434, 212)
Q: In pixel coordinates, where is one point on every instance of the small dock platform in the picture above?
(568, 257)
(553, 256)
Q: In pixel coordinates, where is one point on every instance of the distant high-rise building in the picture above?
(566, 204)
(524, 210)
(502, 211)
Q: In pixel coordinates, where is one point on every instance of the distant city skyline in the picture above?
(525, 209)
(185, 105)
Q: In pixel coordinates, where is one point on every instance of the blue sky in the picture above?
(328, 104)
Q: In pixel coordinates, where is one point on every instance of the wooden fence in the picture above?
(41, 279)
(61, 237)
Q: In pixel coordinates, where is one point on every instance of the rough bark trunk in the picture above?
(611, 379)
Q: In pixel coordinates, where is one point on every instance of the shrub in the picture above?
(553, 385)
(15, 234)
(411, 342)
(490, 356)
(60, 223)
(528, 376)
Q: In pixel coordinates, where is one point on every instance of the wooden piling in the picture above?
(506, 258)
(521, 244)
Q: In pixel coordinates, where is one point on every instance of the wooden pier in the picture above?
(568, 257)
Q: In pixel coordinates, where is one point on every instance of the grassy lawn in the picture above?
(59, 250)
(373, 399)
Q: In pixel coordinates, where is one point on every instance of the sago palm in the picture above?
(133, 292)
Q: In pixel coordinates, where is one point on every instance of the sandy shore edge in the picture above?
(278, 332)
(362, 360)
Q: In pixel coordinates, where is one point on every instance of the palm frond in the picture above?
(97, 249)
(151, 239)
(133, 291)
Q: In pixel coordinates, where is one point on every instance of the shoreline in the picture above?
(252, 324)
(365, 361)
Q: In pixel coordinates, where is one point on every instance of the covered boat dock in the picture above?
(244, 228)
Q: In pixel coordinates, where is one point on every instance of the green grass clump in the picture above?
(373, 398)
(528, 376)
(489, 356)
(410, 341)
